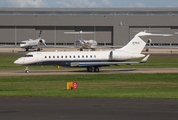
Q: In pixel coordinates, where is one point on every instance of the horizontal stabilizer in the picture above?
(155, 35)
(145, 59)
(80, 32)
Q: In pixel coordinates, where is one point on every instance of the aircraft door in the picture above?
(39, 58)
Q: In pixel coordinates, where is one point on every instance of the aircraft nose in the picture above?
(18, 62)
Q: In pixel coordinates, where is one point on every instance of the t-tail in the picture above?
(137, 44)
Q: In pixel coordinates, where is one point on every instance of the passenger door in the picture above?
(39, 58)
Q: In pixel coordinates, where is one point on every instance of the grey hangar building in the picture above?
(112, 26)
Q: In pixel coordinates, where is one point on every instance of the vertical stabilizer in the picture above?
(137, 44)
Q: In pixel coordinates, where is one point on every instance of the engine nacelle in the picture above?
(149, 41)
(41, 41)
(114, 55)
(120, 56)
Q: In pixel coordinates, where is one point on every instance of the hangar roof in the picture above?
(88, 11)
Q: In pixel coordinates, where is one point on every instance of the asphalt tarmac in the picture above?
(84, 71)
(41, 108)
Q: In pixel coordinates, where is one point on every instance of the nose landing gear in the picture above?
(27, 70)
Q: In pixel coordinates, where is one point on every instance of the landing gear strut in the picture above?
(26, 49)
(27, 70)
(90, 69)
(38, 49)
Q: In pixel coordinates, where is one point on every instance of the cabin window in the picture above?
(49, 56)
(86, 56)
(94, 56)
(70, 56)
(78, 56)
(57, 56)
(66, 56)
(53, 56)
(28, 55)
(73, 56)
(23, 43)
(45, 57)
(61, 56)
(90, 56)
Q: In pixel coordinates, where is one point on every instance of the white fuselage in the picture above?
(30, 43)
(66, 58)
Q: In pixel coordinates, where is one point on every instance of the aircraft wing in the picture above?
(9, 46)
(162, 47)
(54, 46)
(109, 46)
(85, 64)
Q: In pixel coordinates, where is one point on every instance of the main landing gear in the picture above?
(27, 70)
(90, 69)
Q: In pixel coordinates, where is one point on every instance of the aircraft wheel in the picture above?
(27, 71)
(89, 69)
(96, 69)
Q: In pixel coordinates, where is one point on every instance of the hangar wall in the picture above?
(54, 35)
(112, 26)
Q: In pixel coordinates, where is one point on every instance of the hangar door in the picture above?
(174, 31)
(7, 34)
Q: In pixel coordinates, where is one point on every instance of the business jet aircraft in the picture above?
(32, 44)
(91, 59)
(86, 44)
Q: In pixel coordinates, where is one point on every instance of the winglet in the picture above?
(144, 59)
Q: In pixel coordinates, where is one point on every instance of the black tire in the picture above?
(96, 69)
(89, 69)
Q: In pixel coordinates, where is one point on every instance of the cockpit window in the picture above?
(28, 56)
(23, 43)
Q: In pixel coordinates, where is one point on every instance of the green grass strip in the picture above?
(160, 86)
